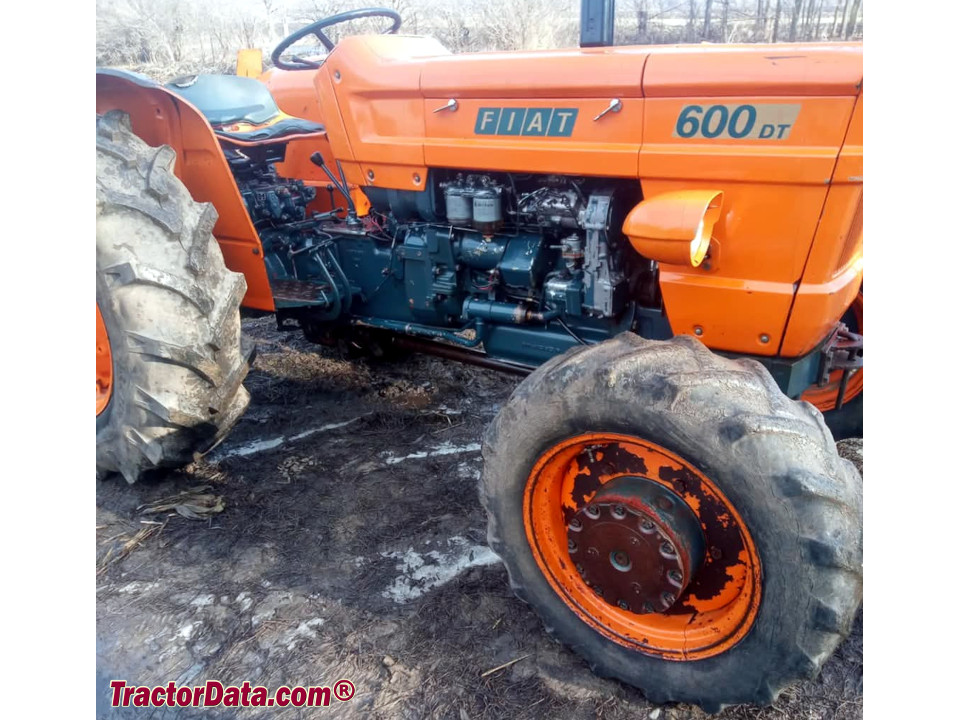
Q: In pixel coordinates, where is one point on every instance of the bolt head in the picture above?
(668, 598)
(571, 546)
(697, 330)
(622, 605)
(575, 524)
(764, 338)
(667, 549)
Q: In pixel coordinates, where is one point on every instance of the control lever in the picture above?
(341, 185)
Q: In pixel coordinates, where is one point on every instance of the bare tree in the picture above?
(776, 21)
(852, 22)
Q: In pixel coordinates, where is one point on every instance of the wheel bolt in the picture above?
(622, 605)
(648, 607)
(571, 546)
(619, 512)
(592, 511)
(675, 576)
(580, 568)
(668, 598)
(598, 590)
(575, 524)
(667, 549)
(647, 526)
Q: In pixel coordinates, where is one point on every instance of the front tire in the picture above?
(170, 309)
(675, 418)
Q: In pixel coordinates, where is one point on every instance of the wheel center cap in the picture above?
(637, 544)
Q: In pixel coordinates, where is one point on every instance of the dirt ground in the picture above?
(336, 534)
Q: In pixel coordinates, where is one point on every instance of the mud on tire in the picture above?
(772, 457)
(170, 307)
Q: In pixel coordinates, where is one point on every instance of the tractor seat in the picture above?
(240, 108)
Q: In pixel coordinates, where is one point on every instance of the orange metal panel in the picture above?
(587, 73)
(606, 147)
(754, 70)
(834, 269)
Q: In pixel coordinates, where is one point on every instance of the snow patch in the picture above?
(257, 446)
(422, 572)
(303, 631)
(446, 448)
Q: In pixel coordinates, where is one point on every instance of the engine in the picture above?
(525, 265)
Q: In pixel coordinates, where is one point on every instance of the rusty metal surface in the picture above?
(724, 542)
(637, 545)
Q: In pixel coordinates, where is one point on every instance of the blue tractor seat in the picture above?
(240, 108)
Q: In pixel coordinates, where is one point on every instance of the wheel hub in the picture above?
(637, 545)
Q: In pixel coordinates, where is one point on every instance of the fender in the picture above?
(160, 117)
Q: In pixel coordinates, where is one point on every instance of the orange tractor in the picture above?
(666, 240)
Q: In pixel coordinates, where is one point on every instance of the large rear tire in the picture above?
(170, 309)
(778, 580)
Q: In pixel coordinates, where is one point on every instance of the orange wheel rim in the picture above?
(825, 398)
(717, 607)
(104, 365)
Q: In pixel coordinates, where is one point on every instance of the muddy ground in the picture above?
(337, 534)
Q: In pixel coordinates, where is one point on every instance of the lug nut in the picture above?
(647, 526)
(622, 605)
(667, 549)
(592, 511)
(575, 524)
(571, 546)
(648, 607)
(579, 568)
(675, 577)
(668, 598)
(619, 512)
(598, 590)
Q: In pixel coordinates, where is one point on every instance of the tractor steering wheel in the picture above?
(316, 29)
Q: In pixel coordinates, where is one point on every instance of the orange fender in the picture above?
(161, 117)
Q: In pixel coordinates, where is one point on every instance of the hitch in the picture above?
(843, 350)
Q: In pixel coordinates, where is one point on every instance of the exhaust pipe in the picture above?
(597, 18)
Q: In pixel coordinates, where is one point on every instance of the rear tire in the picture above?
(170, 307)
(773, 459)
